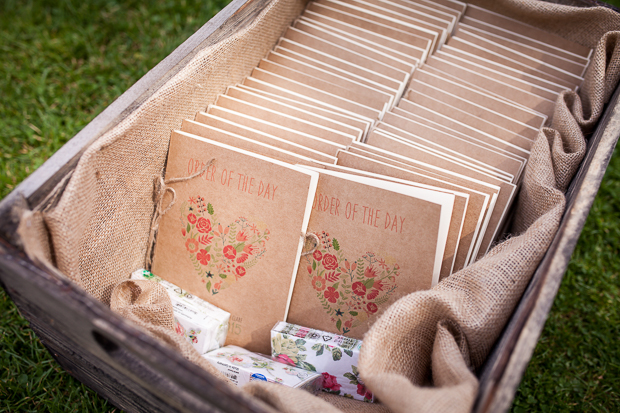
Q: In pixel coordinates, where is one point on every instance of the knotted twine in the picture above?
(160, 188)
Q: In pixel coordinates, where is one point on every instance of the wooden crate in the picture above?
(136, 373)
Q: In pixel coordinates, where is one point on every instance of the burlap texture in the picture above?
(420, 355)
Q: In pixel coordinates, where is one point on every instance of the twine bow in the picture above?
(310, 236)
(160, 188)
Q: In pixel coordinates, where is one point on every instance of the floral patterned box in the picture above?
(242, 366)
(204, 325)
(334, 356)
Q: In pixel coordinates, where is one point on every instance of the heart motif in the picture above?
(221, 255)
(349, 291)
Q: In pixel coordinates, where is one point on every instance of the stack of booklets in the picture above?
(396, 131)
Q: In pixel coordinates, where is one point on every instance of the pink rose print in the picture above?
(283, 358)
(203, 225)
(330, 262)
(203, 257)
(230, 252)
(330, 382)
(362, 391)
(191, 218)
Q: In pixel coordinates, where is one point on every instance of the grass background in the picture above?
(63, 62)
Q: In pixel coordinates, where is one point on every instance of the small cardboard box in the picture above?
(242, 366)
(334, 356)
(204, 325)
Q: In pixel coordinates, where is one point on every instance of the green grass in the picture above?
(65, 61)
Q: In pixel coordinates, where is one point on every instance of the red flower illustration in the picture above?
(372, 308)
(191, 218)
(317, 255)
(370, 272)
(331, 294)
(203, 257)
(205, 239)
(309, 268)
(373, 294)
(330, 262)
(183, 231)
(242, 258)
(192, 200)
(318, 283)
(250, 249)
(332, 276)
(358, 288)
(241, 272)
(348, 323)
(283, 358)
(362, 391)
(241, 236)
(179, 329)
(192, 245)
(330, 382)
(229, 252)
(217, 285)
(203, 225)
(378, 285)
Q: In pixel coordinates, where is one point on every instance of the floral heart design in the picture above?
(221, 255)
(349, 291)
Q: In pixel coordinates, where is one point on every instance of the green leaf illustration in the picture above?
(320, 351)
(300, 342)
(209, 286)
(352, 378)
(335, 286)
(223, 276)
(307, 366)
(348, 353)
(369, 283)
(239, 247)
(188, 228)
(210, 208)
(317, 346)
(339, 324)
(353, 313)
(313, 265)
(336, 354)
(355, 371)
(336, 244)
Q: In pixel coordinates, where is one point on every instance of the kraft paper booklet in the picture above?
(234, 236)
(378, 241)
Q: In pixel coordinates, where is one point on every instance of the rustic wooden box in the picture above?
(136, 373)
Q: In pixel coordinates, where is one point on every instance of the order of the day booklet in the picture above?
(235, 234)
(377, 241)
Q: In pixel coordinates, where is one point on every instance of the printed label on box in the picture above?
(242, 366)
(334, 356)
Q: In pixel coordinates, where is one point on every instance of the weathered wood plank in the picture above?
(140, 368)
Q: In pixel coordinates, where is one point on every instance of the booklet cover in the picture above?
(378, 241)
(235, 234)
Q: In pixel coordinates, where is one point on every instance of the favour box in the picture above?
(242, 366)
(204, 325)
(133, 370)
(332, 355)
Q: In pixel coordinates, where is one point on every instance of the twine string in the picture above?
(310, 237)
(160, 188)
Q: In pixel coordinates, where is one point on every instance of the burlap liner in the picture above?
(422, 353)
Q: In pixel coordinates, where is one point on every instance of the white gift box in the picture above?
(334, 356)
(242, 366)
(204, 325)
